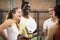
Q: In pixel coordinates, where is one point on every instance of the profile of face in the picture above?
(51, 12)
(18, 14)
(26, 8)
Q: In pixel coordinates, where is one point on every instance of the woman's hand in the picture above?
(20, 37)
(26, 36)
(23, 36)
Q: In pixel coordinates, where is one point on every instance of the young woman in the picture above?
(11, 25)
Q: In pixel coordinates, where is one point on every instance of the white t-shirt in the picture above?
(48, 23)
(30, 24)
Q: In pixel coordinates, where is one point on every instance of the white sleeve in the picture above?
(45, 25)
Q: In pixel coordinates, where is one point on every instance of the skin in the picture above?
(7, 23)
(53, 29)
(51, 12)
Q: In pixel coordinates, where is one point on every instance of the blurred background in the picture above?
(39, 9)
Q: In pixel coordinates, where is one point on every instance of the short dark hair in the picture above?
(25, 4)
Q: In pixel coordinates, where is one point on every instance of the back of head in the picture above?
(25, 5)
(57, 10)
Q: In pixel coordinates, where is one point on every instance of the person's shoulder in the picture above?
(23, 18)
(31, 18)
(47, 20)
(9, 21)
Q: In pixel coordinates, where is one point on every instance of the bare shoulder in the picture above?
(6, 24)
(9, 21)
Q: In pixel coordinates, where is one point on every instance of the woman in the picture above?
(11, 24)
(54, 30)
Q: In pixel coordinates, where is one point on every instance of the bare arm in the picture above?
(3, 26)
(51, 32)
(44, 32)
(2, 34)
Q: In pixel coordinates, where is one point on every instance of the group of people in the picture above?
(18, 24)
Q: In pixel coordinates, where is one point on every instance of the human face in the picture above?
(28, 7)
(27, 10)
(51, 12)
(18, 14)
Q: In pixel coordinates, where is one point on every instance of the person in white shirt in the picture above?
(49, 22)
(27, 21)
(30, 22)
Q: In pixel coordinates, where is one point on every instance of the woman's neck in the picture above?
(15, 21)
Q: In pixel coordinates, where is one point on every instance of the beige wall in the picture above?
(41, 5)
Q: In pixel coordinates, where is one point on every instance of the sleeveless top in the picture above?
(12, 32)
(57, 34)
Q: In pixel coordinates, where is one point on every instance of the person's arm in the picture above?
(44, 31)
(22, 32)
(51, 32)
(2, 34)
(3, 26)
(45, 27)
(25, 32)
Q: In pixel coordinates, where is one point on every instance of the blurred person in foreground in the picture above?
(54, 30)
